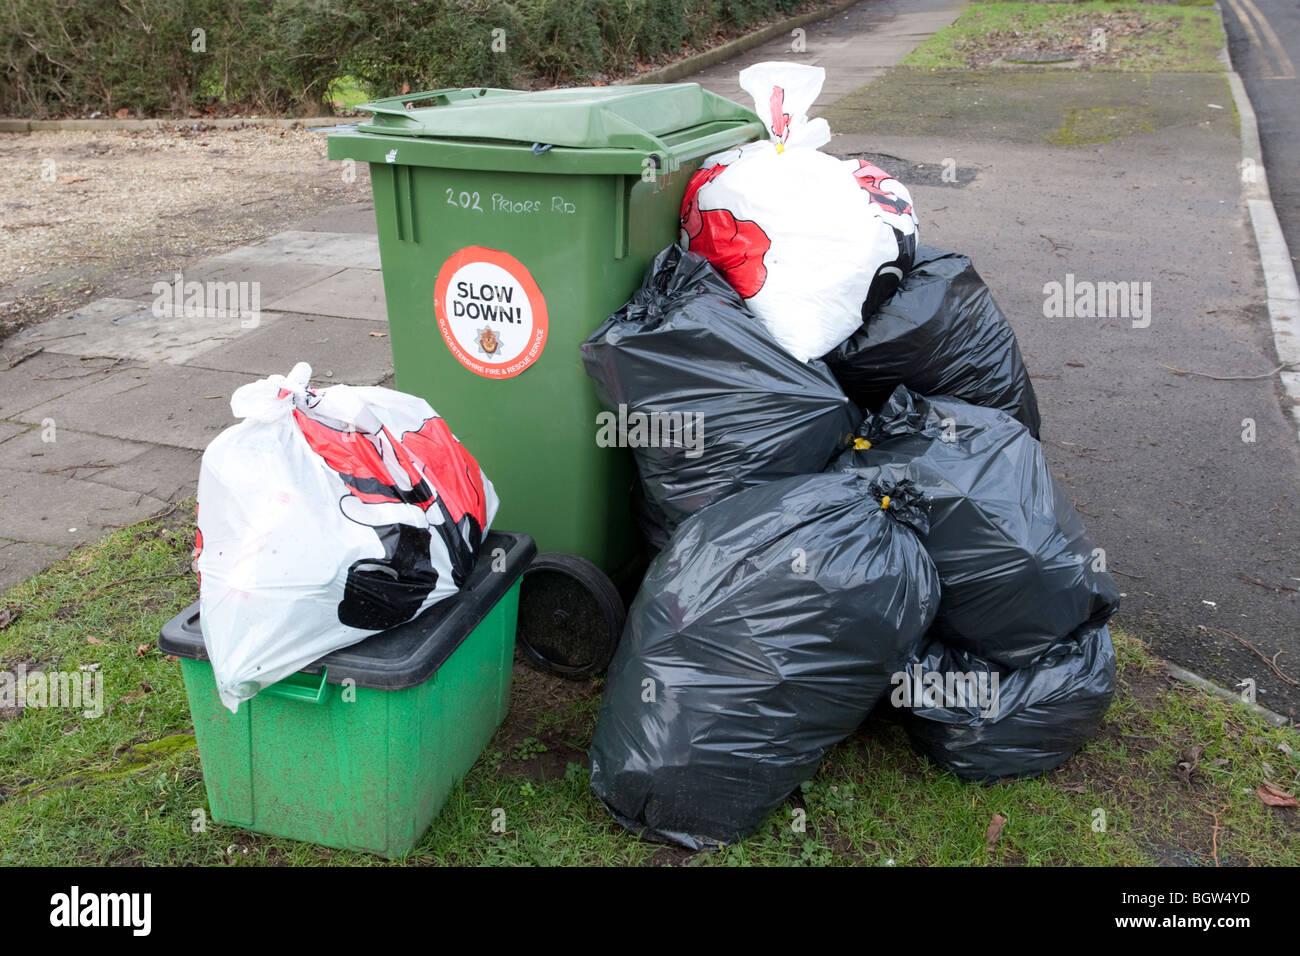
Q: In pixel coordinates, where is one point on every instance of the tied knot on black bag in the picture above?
(903, 501)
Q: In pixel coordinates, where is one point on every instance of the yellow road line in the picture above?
(1245, 23)
(1285, 68)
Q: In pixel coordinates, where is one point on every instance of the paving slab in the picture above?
(19, 560)
(338, 350)
(130, 329)
(163, 404)
(358, 217)
(46, 376)
(352, 294)
(342, 249)
(66, 512)
(161, 472)
(271, 280)
(73, 453)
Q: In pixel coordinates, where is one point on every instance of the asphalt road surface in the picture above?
(1264, 41)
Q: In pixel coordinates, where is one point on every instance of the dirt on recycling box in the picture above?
(510, 225)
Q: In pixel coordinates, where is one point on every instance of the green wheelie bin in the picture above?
(510, 225)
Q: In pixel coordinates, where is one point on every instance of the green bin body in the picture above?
(497, 207)
(360, 750)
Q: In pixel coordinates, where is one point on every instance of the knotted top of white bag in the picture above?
(783, 94)
(269, 398)
(340, 406)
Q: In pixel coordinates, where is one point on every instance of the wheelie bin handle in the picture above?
(711, 143)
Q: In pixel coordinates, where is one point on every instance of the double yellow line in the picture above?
(1278, 65)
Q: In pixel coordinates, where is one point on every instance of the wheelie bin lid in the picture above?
(406, 655)
(592, 129)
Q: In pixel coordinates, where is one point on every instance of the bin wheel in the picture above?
(570, 616)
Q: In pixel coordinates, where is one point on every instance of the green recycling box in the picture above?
(361, 749)
(510, 225)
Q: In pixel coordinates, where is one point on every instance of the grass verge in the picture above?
(1174, 772)
(1100, 35)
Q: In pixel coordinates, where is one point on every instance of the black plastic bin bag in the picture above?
(941, 333)
(1019, 572)
(763, 634)
(1040, 715)
(704, 397)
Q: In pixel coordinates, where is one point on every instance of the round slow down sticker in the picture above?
(490, 312)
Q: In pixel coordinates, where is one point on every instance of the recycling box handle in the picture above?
(307, 694)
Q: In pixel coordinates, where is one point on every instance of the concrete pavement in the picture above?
(106, 410)
(853, 47)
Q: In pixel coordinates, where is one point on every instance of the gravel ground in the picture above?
(82, 211)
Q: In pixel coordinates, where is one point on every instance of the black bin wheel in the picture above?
(570, 616)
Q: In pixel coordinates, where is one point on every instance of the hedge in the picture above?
(165, 57)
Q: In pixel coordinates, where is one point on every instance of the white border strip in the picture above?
(1275, 258)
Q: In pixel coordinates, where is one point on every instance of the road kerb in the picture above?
(1196, 680)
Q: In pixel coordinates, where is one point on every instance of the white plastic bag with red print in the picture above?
(811, 242)
(326, 516)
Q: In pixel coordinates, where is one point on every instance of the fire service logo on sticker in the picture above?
(488, 343)
(490, 311)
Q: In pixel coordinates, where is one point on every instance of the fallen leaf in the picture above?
(1187, 761)
(995, 829)
(67, 180)
(146, 687)
(142, 650)
(379, 335)
(172, 657)
(1272, 796)
(92, 639)
(7, 616)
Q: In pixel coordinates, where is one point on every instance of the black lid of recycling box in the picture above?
(406, 655)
